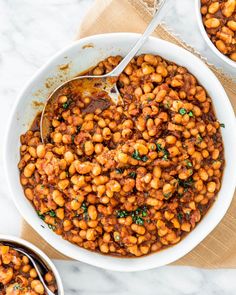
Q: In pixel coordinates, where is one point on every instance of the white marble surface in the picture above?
(30, 32)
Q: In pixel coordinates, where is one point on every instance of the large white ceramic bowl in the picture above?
(223, 57)
(80, 56)
(39, 254)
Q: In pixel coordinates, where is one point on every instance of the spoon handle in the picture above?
(160, 13)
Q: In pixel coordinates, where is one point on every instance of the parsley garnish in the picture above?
(186, 183)
(180, 216)
(52, 227)
(182, 111)
(122, 213)
(189, 164)
(138, 220)
(199, 139)
(84, 207)
(161, 149)
(66, 105)
(136, 214)
(18, 287)
(52, 213)
(119, 170)
(144, 213)
(136, 155)
(41, 216)
(222, 125)
(133, 174)
(167, 196)
(144, 158)
(190, 114)
(165, 157)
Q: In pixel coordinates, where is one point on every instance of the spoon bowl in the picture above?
(107, 83)
(100, 90)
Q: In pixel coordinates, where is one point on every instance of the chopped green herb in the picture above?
(189, 164)
(66, 105)
(147, 117)
(119, 170)
(186, 183)
(52, 227)
(144, 158)
(136, 155)
(182, 111)
(18, 287)
(159, 147)
(222, 125)
(78, 128)
(167, 196)
(138, 211)
(136, 214)
(180, 216)
(165, 157)
(199, 139)
(122, 213)
(144, 213)
(84, 207)
(52, 213)
(41, 216)
(190, 114)
(133, 174)
(42, 186)
(149, 99)
(73, 138)
(139, 220)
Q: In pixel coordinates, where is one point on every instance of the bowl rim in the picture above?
(38, 252)
(100, 262)
(207, 39)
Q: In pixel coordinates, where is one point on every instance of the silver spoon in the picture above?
(37, 264)
(106, 82)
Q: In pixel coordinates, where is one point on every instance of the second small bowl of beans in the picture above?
(17, 274)
(217, 21)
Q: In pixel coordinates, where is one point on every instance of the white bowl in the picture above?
(207, 39)
(40, 254)
(80, 56)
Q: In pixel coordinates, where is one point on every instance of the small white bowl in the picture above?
(40, 254)
(207, 39)
(80, 56)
